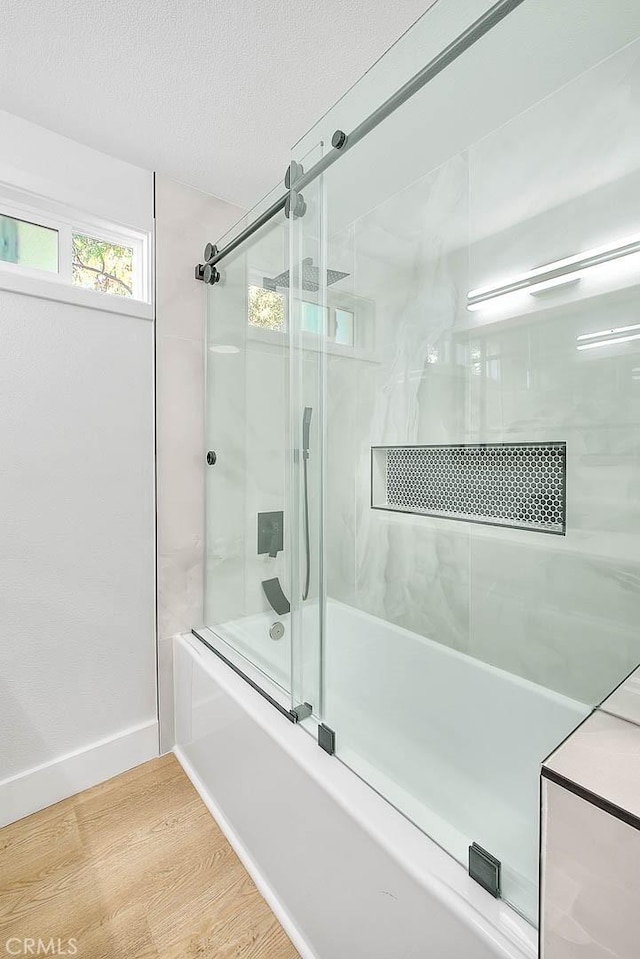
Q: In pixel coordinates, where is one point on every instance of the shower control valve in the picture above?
(212, 456)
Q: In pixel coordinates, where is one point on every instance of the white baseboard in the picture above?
(69, 774)
(247, 860)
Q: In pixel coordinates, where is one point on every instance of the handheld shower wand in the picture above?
(306, 430)
(272, 588)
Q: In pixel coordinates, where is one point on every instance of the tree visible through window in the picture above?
(102, 266)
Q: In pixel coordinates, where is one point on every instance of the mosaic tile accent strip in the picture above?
(505, 484)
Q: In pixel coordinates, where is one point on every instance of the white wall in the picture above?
(185, 221)
(77, 650)
(53, 166)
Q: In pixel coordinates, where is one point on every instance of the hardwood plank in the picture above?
(134, 868)
(35, 848)
(240, 925)
(118, 935)
(99, 930)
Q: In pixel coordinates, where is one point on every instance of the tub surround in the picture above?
(590, 880)
(624, 701)
(603, 758)
(591, 836)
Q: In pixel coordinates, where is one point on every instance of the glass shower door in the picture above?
(307, 341)
(477, 498)
(247, 586)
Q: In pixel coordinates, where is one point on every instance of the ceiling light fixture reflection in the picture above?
(541, 288)
(223, 348)
(614, 332)
(610, 342)
(553, 274)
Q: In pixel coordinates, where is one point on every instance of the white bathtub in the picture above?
(453, 743)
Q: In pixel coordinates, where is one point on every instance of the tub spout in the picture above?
(277, 600)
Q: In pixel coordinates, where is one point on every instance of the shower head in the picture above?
(310, 278)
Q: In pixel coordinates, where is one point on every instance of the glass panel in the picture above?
(102, 266)
(247, 364)
(441, 24)
(457, 653)
(28, 244)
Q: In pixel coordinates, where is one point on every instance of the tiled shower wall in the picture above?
(247, 410)
(536, 605)
(518, 485)
(185, 220)
(591, 835)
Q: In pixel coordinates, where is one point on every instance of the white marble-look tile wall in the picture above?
(247, 424)
(560, 611)
(413, 573)
(591, 842)
(625, 700)
(185, 220)
(591, 880)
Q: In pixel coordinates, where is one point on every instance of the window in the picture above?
(266, 309)
(28, 244)
(44, 240)
(102, 266)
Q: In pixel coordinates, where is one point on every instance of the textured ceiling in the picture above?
(213, 93)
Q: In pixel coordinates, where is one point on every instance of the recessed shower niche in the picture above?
(520, 485)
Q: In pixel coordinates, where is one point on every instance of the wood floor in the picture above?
(133, 869)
